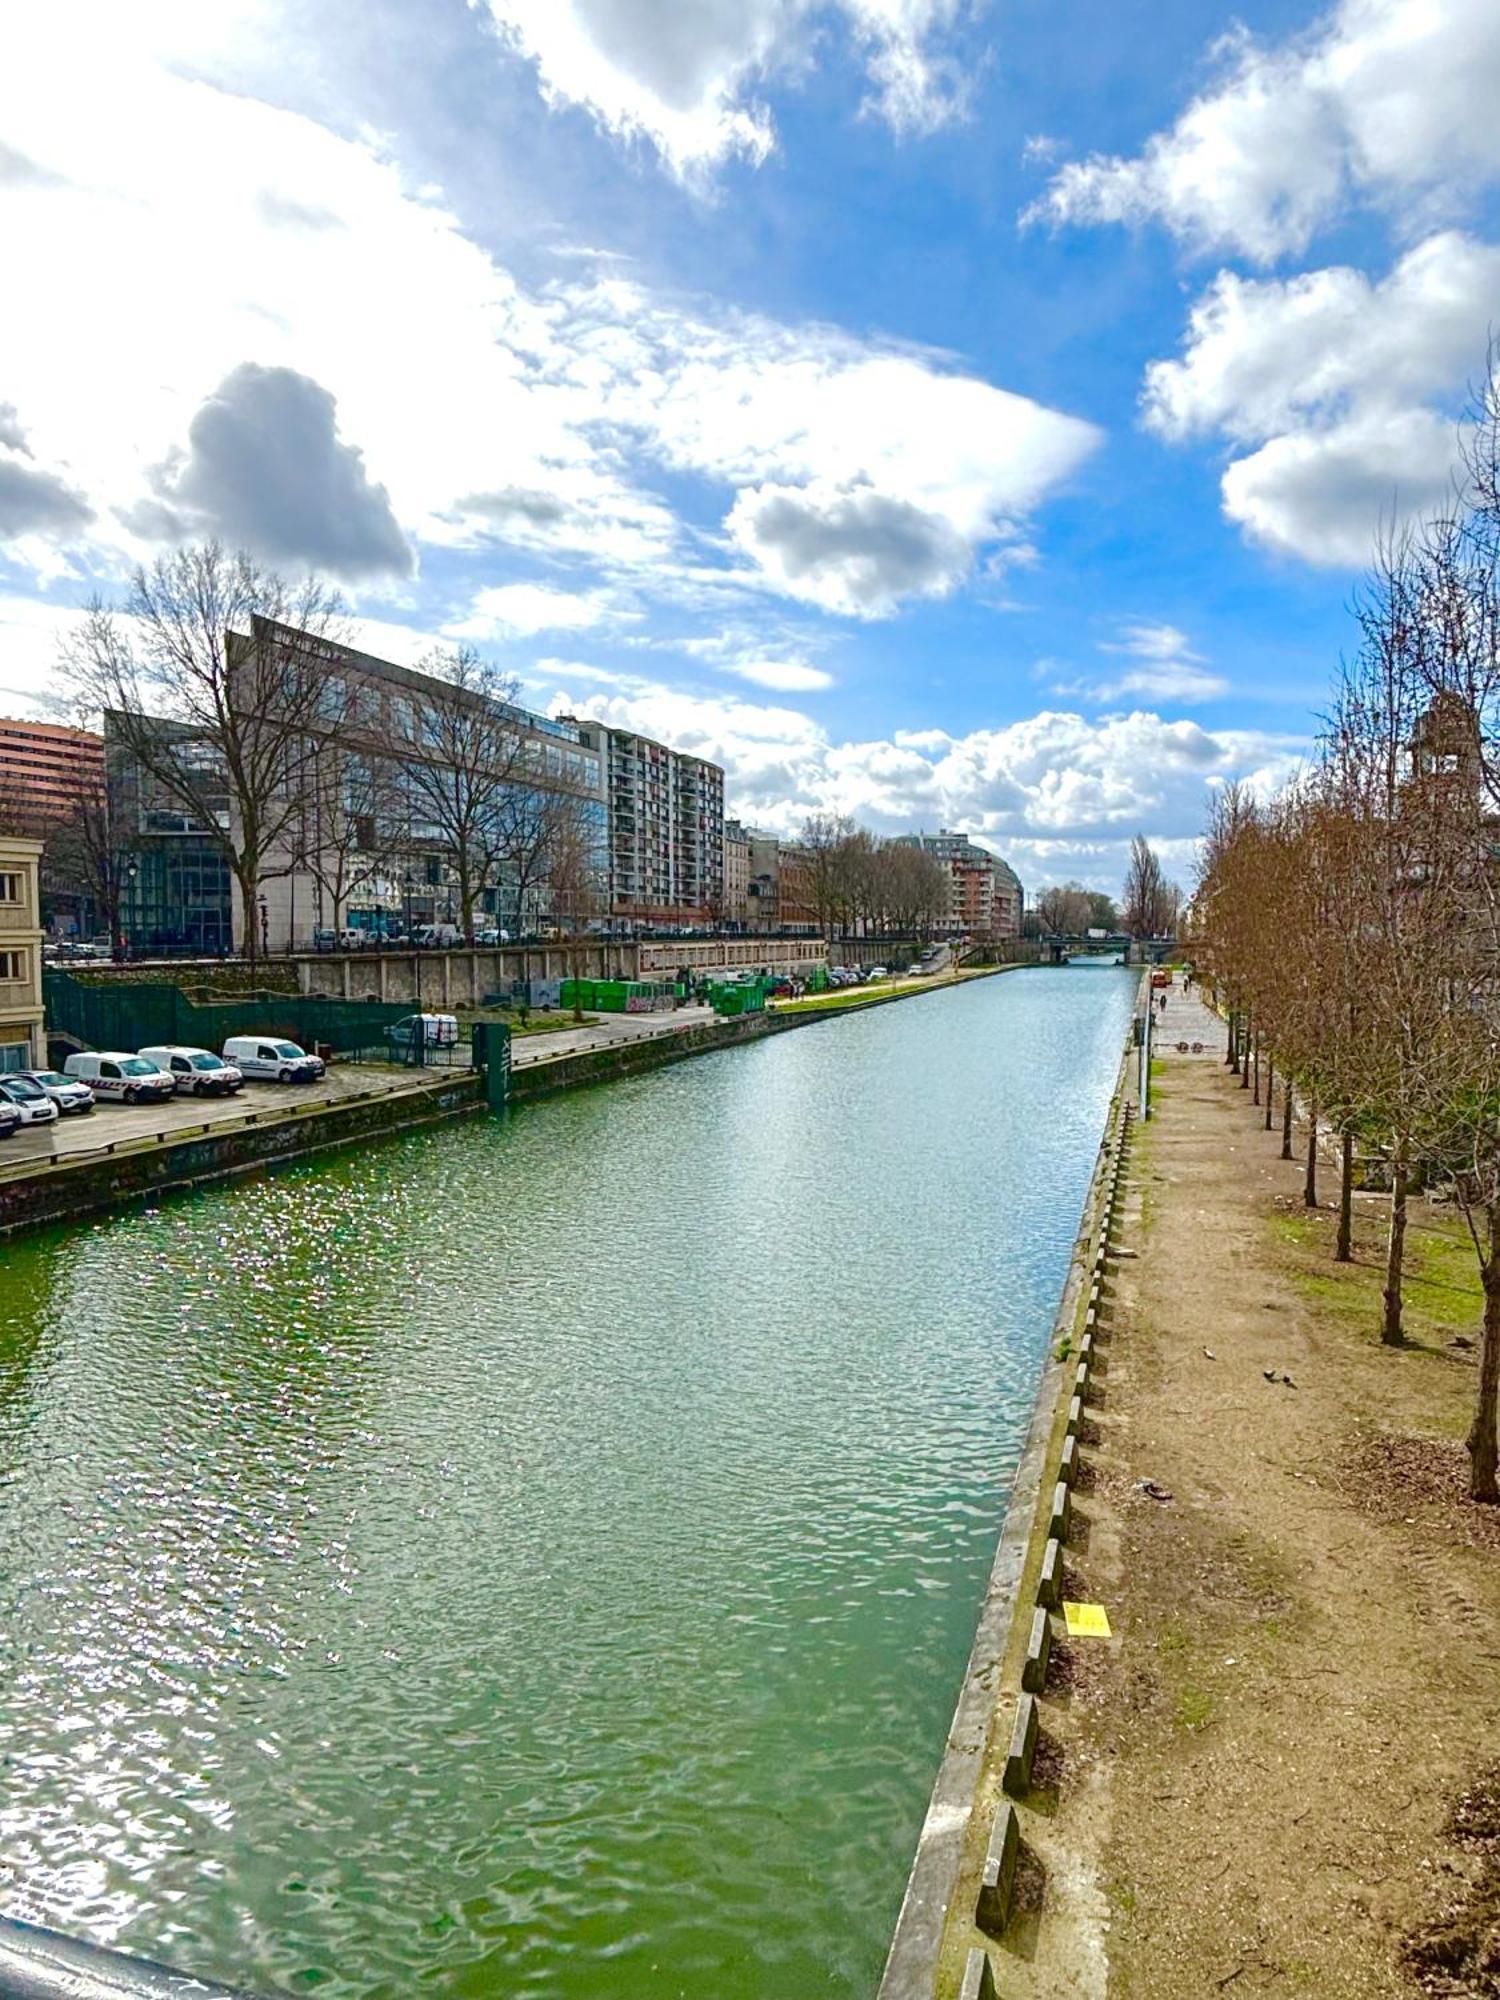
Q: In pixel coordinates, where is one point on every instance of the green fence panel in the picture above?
(135, 1015)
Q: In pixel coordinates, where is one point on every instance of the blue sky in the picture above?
(963, 412)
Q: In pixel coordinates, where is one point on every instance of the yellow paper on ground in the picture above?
(1086, 1621)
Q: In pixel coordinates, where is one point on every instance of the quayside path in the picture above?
(1278, 1776)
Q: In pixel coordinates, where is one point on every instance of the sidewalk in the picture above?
(1188, 1028)
(1254, 1781)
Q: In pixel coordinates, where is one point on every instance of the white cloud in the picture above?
(1324, 495)
(1346, 387)
(683, 75)
(1264, 356)
(782, 676)
(1167, 668)
(1384, 100)
(519, 610)
(541, 418)
(31, 633)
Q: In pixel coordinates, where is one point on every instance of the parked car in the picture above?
(491, 936)
(33, 1103)
(877, 972)
(10, 1118)
(198, 1071)
(71, 1097)
(437, 937)
(347, 939)
(436, 1031)
(272, 1060)
(126, 1079)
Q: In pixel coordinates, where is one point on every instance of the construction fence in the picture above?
(136, 1015)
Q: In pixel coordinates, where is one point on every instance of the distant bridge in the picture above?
(1059, 946)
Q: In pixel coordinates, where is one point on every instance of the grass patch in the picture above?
(1193, 1708)
(1441, 1293)
(537, 1024)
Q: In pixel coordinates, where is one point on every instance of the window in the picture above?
(12, 965)
(10, 888)
(14, 1055)
(109, 1069)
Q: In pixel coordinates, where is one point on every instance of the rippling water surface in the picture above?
(540, 1557)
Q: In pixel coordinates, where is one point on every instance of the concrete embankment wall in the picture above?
(137, 1167)
(949, 1902)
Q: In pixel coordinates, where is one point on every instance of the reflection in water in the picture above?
(539, 1558)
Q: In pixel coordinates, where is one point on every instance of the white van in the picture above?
(119, 1078)
(197, 1070)
(436, 1031)
(438, 937)
(272, 1060)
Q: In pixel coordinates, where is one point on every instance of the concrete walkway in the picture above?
(1188, 1021)
(607, 1032)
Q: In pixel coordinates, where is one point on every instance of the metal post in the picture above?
(1145, 1083)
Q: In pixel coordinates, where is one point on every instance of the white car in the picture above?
(197, 1070)
(125, 1079)
(271, 1060)
(71, 1097)
(33, 1103)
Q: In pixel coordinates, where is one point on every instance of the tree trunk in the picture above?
(1310, 1185)
(247, 873)
(1484, 1451)
(1395, 1252)
(1232, 1059)
(1255, 1088)
(1270, 1087)
(1246, 1042)
(1287, 1104)
(1344, 1247)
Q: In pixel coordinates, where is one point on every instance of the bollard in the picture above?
(1017, 1778)
(1049, 1583)
(979, 1980)
(998, 1881)
(1062, 1513)
(1067, 1470)
(1038, 1652)
(1075, 1416)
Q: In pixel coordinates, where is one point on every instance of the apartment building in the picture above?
(779, 894)
(665, 819)
(985, 897)
(23, 1043)
(45, 768)
(736, 876)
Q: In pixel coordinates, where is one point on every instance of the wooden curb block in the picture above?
(979, 1980)
(1038, 1652)
(1062, 1513)
(1067, 1470)
(1049, 1583)
(1017, 1778)
(998, 1881)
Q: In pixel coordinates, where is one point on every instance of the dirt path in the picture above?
(1261, 1768)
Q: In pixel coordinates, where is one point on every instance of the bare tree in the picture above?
(1151, 903)
(575, 878)
(457, 741)
(349, 823)
(214, 683)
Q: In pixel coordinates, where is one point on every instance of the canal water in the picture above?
(539, 1558)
